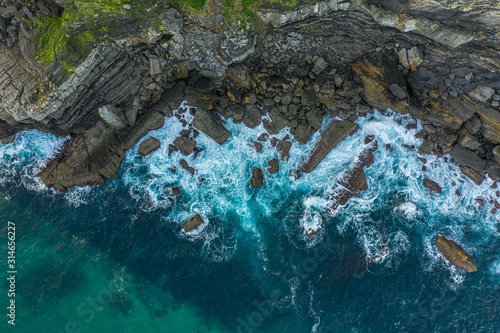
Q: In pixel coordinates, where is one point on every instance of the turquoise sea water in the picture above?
(114, 258)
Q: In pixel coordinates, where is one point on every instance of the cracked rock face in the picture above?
(311, 60)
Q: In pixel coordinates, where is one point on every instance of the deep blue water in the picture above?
(119, 248)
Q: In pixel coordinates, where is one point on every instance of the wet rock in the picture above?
(257, 146)
(313, 119)
(468, 158)
(238, 75)
(455, 254)
(482, 93)
(273, 165)
(257, 178)
(432, 185)
(205, 122)
(378, 73)
(193, 223)
(237, 110)
(302, 133)
(308, 98)
(172, 149)
(277, 123)
(283, 148)
(426, 147)
(186, 166)
(354, 180)
(479, 202)
(476, 176)
(113, 116)
(252, 116)
(330, 137)
(148, 146)
(185, 145)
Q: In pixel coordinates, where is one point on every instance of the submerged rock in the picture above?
(148, 146)
(455, 254)
(193, 223)
(257, 178)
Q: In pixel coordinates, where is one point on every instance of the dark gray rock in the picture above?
(257, 178)
(468, 158)
(205, 122)
(302, 133)
(148, 146)
(185, 145)
(273, 165)
(252, 116)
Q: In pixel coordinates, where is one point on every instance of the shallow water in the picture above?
(115, 258)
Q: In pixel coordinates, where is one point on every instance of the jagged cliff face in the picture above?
(437, 60)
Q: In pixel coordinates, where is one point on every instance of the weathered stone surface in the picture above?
(257, 178)
(476, 176)
(89, 158)
(496, 153)
(277, 123)
(330, 136)
(193, 223)
(469, 141)
(319, 66)
(455, 254)
(479, 202)
(273, 165)
(490, 123)
(482, 93)
(451, 113)
(148, 146)
(302, 133)
(415, 57)
(468, 158)
(113, 116)
(283, 148)
(238, 75)
(432, 185)
(205, 122)
(252, 116)
(377, 73)
(185, 145)
(354, 180)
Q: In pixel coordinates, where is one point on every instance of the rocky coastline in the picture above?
(288, 66)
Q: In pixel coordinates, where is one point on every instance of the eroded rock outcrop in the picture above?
(455, 254)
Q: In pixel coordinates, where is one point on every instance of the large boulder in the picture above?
(251, 118)
(432, 185)
(148, 146)
(455, 254)
(205, 122)
(273, 165)
(330, 136)
(302, 133)
(468, 158)
(283, 148)
(193, 223)
(379, 72)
